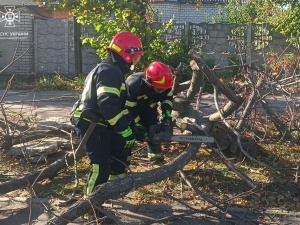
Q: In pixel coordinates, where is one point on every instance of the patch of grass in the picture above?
(63, 185)
(59, 82)
(56, 82)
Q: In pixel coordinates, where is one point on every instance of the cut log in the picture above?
(113, 190)
(220, 133)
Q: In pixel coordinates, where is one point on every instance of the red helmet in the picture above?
(158, 75)
(127, 45)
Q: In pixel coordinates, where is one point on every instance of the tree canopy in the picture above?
(108, 17)
(284, 15)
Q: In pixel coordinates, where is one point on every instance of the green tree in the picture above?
(287, 18)
(284, 15)
(108, 17)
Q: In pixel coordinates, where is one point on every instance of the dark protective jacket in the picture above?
(105, 92)
(140, 96)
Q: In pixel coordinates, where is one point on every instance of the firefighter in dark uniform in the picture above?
(144, 91)
(104, 93)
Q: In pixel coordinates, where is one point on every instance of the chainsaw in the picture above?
(164, 135)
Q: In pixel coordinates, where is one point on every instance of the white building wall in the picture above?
(183, 12)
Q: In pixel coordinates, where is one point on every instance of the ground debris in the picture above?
(37, 150)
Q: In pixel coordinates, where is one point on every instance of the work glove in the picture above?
(129, 137)
(162, 127)
(166, 118)
(139, 131)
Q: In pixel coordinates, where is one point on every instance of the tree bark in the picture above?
(178, 71)
(113, 190)
(182, 87)
(247, 110)
(196, 82)
(226, 111)
(214, 80)
(49, 172)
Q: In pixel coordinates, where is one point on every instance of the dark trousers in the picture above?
(105, 149)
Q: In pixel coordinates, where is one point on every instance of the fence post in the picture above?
(186, 32)
(77, 47)
(35, 46)
(249, 43)
(67, 47)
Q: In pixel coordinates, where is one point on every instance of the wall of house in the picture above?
(42, 12)
(51, 48)
(14, 41)
(183, 12)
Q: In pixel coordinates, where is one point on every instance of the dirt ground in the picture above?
(154, 214)
(45, 104)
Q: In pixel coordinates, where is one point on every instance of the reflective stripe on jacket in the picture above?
(140, 95)
(105, 92)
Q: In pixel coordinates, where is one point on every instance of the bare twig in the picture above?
(249, 105)
(239, 136)
(210, 199)
(16, 59)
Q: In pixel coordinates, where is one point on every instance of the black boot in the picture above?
(155, 154)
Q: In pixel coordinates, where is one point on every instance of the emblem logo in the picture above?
(10, 16)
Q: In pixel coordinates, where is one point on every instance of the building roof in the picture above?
(18, 3)
(193, 1)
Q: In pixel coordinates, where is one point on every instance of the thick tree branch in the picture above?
(49, 172)
(196, 83)
(228, 108)
(113, 190)
(213, 79)
(238, 136)
(178, 71)
(249, 105)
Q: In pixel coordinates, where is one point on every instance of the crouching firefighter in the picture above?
(144, 91)
(104, 95)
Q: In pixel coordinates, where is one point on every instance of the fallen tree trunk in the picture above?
(181, 103)
(52, 170)
(113, 190)
(49, 172)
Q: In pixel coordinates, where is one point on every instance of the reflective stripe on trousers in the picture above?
(116, 177)
(92, 179)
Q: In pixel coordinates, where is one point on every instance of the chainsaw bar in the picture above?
(192, 139)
